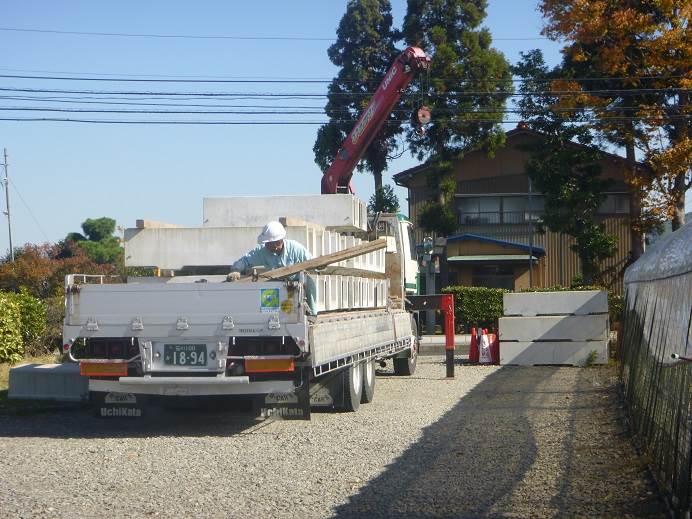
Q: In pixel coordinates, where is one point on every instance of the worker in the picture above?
(274, 251)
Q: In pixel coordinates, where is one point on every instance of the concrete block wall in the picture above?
(554, 328)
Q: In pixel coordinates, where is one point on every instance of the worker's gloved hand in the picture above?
(233, 276)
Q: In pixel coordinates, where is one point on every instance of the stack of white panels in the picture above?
(554, 328)
(334, 292)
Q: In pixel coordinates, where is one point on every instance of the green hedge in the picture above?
(476, 306)
(24, 315)
(11, 347)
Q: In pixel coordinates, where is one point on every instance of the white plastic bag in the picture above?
(484, 356)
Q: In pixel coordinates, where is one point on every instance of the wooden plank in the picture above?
(348, 271)
(321, 261)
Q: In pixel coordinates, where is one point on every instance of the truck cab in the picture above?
(401, 264)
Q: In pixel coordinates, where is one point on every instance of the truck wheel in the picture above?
(406, 366)
(352, 384)
(368, 382)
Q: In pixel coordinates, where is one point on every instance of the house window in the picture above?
(493, 276)
(615, 204)
(499, 209)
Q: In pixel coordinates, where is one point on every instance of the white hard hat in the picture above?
(273, 231)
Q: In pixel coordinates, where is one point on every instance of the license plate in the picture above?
(185, 354)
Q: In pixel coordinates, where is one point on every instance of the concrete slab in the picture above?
(58, 382)
(344, 212)
(554, 328)
(576, 353)
(556, 303)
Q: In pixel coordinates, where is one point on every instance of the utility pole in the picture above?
(7, 204)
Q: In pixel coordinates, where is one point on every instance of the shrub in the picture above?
(32, 321)
(11, 349)
(476, 306)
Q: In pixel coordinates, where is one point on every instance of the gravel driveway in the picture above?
(493, 442)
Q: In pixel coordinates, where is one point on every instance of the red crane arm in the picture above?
(337, 178)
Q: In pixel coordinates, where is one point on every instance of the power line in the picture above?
(173, 79)
(142, 80)
(630, 91)
(206, 37)
(295, 110)
(14, 186)
(167, 36)
(275, 123)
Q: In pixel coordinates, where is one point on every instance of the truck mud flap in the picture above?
(117, 405)
(288, 406)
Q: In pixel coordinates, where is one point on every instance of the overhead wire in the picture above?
(203, 37)
(557, 93)
(173, 79)
(289, 122)
(31, 213)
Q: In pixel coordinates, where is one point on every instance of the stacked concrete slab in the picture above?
(324, 224)
(554, 328)
(175, 248)
(344, 213)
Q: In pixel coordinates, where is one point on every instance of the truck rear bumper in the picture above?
(191, 386)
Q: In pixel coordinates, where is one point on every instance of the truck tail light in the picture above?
(107, 368)
(271, 364)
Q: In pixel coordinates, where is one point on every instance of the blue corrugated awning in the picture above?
(492, 258)
(477, 237)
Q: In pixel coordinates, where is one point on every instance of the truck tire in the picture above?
(352, 384)
(368, 382)
(406, 366)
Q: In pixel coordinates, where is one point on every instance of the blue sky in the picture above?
(63, 173)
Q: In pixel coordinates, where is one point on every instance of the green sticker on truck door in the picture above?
(269, 300)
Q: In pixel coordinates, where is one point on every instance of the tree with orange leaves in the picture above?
(633, 58)
(41, 269)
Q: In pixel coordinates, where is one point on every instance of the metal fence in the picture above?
(658, 387)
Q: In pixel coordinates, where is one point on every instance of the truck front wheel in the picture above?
(352, 386)
(406, 366)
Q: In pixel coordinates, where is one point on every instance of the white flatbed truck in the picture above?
(159, 338)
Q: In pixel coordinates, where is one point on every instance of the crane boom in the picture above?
(337, 178)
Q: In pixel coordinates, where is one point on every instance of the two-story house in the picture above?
(497, 243)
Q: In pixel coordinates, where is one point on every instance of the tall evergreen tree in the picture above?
(564, 165)
(468, 87)
(364, 50)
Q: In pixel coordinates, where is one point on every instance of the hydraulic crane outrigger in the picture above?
(337, 178)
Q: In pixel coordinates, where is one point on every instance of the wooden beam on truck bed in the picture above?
(321, 261)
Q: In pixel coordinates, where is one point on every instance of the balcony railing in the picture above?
(498, 217)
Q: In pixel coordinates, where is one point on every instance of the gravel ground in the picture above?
(493, 442)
